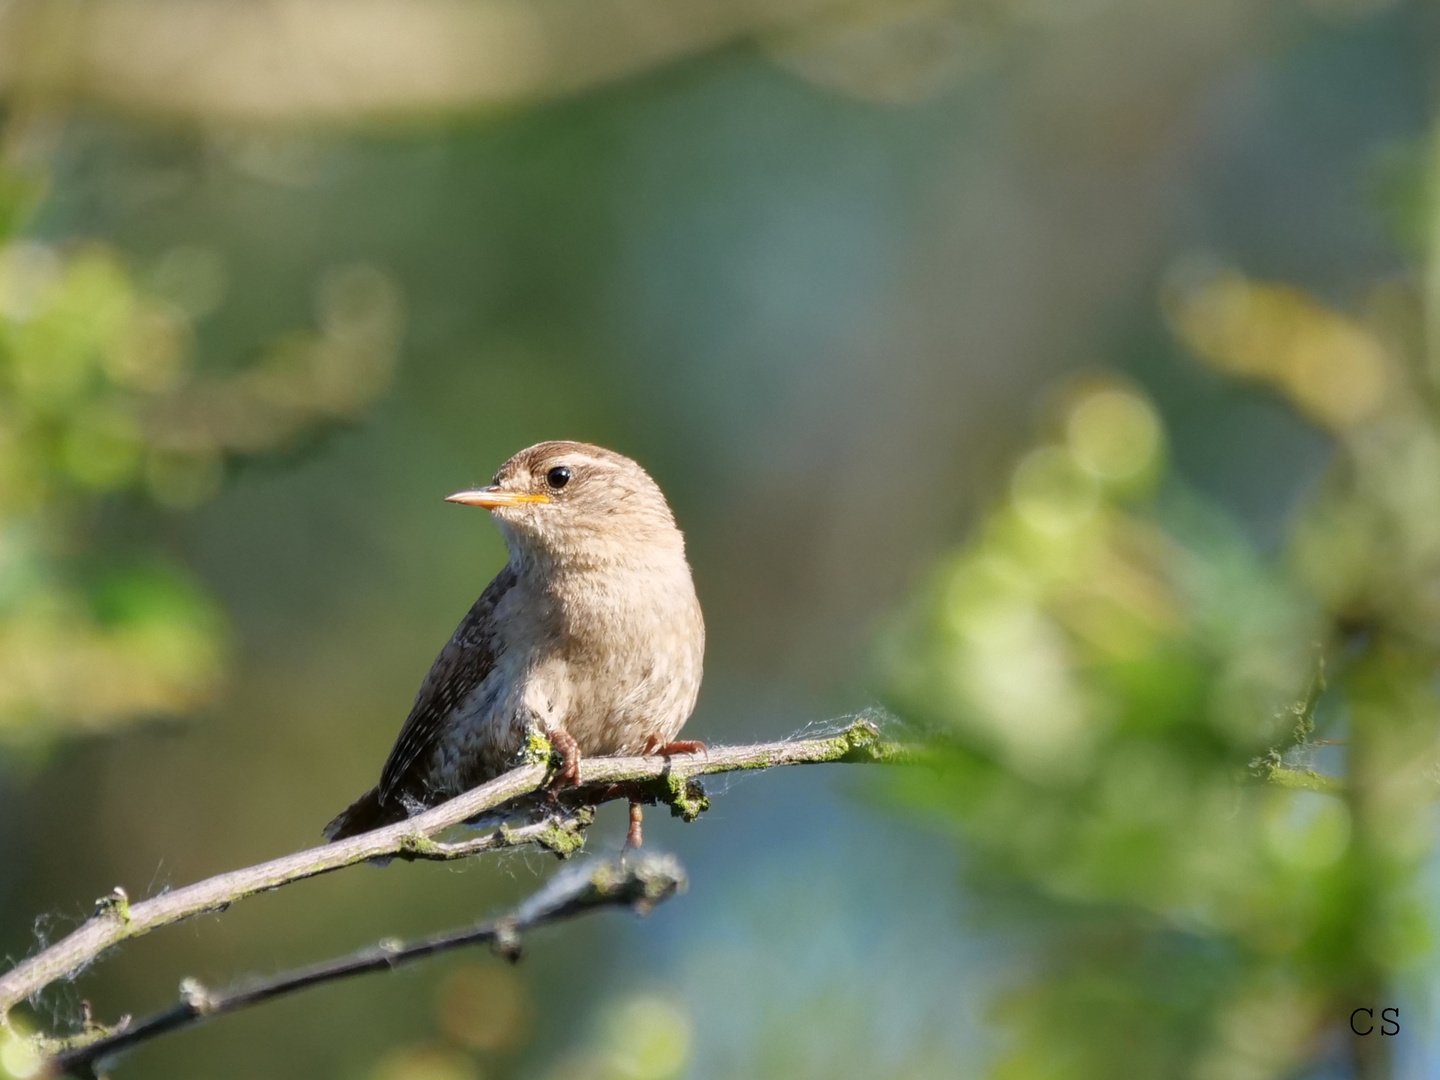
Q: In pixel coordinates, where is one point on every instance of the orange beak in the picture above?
(492, 497)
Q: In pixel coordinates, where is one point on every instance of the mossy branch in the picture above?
(560, 828)
(1272, 766)
(1302, 779)
(638, 881)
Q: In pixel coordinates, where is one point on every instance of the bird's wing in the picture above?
(462, 665)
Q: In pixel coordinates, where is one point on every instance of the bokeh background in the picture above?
(1059, 376)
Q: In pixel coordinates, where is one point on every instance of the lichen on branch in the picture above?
(557, 826)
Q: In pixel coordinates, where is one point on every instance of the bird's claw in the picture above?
(653, 746)
(568, 774)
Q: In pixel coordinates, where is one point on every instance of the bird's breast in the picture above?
(632, 648)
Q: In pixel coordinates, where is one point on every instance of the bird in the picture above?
(591, 634)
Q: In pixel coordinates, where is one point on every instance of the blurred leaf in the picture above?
(1097, 672)
(99, 398)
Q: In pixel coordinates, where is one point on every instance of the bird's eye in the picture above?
(558, 477)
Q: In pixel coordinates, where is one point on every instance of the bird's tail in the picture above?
(364, 814)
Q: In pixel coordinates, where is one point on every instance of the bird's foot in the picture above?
(653, 745)
(636, 836)
(568, 775)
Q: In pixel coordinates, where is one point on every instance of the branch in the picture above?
(1271, 765)
(640, 882)
(645, 779)
(1304, 779)
(297, 62)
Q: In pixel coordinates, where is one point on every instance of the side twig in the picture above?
(639, 881)
(646, 779)
(1272, 765)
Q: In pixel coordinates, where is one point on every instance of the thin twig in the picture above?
(639, 881)
(647, 779)
(1271, 765)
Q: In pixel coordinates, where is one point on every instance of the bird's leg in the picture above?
(568, 775)
(653, 745)
(636, 836)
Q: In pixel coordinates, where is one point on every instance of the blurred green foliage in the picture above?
(1209, 769)
(104, 411)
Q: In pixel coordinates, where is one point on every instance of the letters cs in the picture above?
(1365, 1024)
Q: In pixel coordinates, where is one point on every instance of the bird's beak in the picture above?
(492, 497)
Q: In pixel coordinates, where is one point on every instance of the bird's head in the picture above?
(570, 501)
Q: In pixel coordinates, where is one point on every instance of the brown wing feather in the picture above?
(462, 666)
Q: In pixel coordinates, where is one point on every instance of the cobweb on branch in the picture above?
(889, 725)
(883, 719)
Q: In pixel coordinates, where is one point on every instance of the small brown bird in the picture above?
(591, 632)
